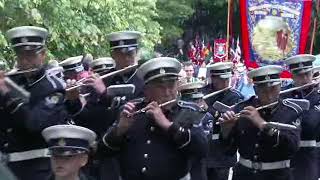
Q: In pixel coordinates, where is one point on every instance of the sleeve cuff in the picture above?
(11, 103)
(181, 135)
(111, 140)
(272, 135)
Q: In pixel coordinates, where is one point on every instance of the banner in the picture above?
(220, 50)
(273, 30)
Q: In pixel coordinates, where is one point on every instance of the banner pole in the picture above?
(228, 31)
(314, 27)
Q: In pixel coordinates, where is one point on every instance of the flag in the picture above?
(232, 51)
(266, 43)
(237, 56)
(220, 50)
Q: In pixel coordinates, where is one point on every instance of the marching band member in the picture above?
(97, 114)
(69, 146)
(265, 151)
(304, 163)
(191, 92)
(218, 164)
(159, 143)
(23, 120)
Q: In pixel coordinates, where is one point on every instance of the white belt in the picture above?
(215, 136)
(264, 165)
(310, 143)
(27, 155)
(186, 177)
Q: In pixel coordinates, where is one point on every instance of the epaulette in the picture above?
(189, 105)
(298, 105)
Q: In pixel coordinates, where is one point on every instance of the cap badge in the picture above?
(300, 65)
(121, 43)
(24, 40)
(267, 78)
(162, 71)
(62, 142)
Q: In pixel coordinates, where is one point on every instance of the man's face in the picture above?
(302, 78)
(189, 71)
(219, 83)
(30, 59)
(267, 94)
(161, 91)
(123, 58)
(66, 166)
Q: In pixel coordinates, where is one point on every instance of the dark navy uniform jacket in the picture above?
(305, 162)
(147, 152)
(216, 156)
(97, 116)
(260, 146)
(22, 122)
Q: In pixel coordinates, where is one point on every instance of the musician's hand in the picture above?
(227, 121)
(74, 93)
(203, 104)
(253, 115)
(154, 110)
(96, 82)
(228, 117)
(4, 89)
(126, 118)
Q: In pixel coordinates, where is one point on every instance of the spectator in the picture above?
(189, 70)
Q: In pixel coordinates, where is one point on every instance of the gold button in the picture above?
(148, 142)
(9, 130)
(6, 145)
(146, 156)
(255, 157)
(144, 169)
(152, 128)
(256, 145)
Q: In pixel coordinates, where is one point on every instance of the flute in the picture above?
(298, 88)
(143, 110)
(106, 76)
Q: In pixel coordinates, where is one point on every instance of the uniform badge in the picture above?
(209, 124)
(162, 71)
(53, 100)
(24, 40)
(267, 78)
(121, 43)
(317, 107)
(300, 65)
(297, 123)
(62, 142)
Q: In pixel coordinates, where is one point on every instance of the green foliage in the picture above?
(172, 15)
(79, 26)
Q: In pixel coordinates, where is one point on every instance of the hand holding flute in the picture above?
(4, 89)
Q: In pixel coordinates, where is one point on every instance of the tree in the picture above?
(79, 26)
